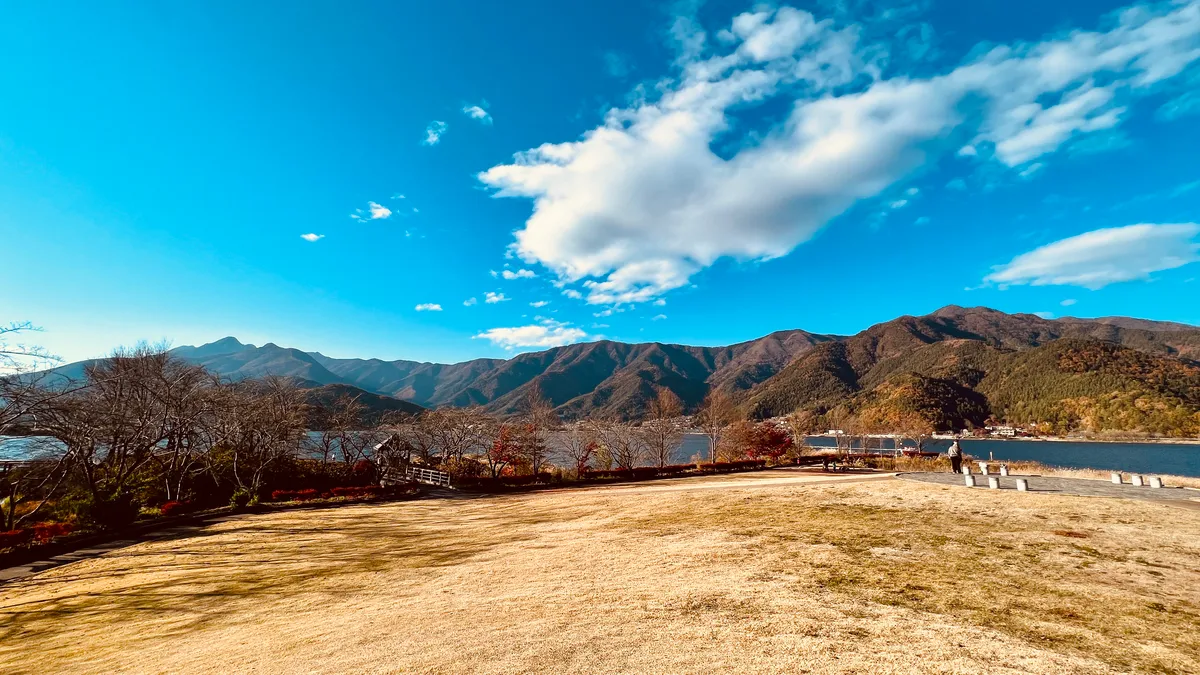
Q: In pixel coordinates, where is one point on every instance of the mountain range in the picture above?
(957, 366)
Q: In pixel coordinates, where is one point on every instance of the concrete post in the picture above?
(1116, 478)
(994, 482)
(1135, 480)
(969, 479)
(983, 468)
(1022, 485)
(966, 469)
(1003, 469)
(1155, 482)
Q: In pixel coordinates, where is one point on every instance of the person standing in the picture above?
(955, 455)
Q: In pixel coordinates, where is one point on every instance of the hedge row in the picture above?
(312, 493)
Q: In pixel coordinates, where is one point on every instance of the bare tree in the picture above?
(456, 431)
(716, 413)
(662, 431)
(17, 356)
(259, 423)
(577, 443)
(537, 419)
(620, 440)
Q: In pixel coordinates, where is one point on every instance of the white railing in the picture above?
(430, 476)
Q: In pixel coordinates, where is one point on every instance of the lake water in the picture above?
(1180, 459)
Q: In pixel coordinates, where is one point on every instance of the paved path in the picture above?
(1071, 486)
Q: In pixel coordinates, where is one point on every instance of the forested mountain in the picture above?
(955, 367)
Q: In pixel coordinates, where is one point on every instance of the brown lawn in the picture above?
(730, 574)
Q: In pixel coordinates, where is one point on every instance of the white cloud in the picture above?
(519, 274)
(658, 317)
(642, 202)
(312, 237)
(545, 334)
(573, 294)
(1031, 170)
(660, 303)
(957, 184)
(923, 220)
(1044, 315)
(378, 211)
(912, 191)
(899, 204)
(1101, 257)
(429, 307)
(476, 112)
(493, 298)
(433, 132)
(469, 302)
(398, 196)
(1068, 302)
(539, 303)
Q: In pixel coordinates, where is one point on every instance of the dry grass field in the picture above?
(762, 574)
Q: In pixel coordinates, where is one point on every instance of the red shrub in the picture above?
(294, 495)
(44, 532)
(13, 538)
(368, 491)
(175, 508)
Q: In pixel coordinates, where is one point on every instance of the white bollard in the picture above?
(969, 479)
(1022, 485)
(1135, 480)
(966, 470)
(983, 468)
(1116, 479)
(994, 482)
(1155, 482)
(1003, 469)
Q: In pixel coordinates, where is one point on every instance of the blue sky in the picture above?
(702, 173)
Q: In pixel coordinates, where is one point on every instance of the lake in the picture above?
(1180, 459)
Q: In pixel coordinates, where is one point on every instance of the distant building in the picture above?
(1003, 431)
(835, 432)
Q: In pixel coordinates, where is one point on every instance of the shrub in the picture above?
(14, 538)
(367, 491)
(174, 508)
(241, 498)
(44, 532)
(112, 512)
(295, 495)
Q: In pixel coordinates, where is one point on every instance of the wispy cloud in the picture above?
(477, 112)
(434, 132)
(493, 298)
(469, 302)
(539, 304)
(658, 317)
(1068, 302)
(641, 203)
(545, 334)
(429, 307)
(519, 274)
(1101, 257)
(311, 236)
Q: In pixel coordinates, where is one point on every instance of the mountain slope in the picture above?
(773, 375)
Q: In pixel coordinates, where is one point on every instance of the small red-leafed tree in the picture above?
(505, 449)
(769, 441)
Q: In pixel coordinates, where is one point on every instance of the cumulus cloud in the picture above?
(429, 307)
(1101, 257)
(476, 112)
(544, 334)
(374, 211)
(434, 132)
(539, 304)
(311, 236)
(639, 204)
(519, 274)
(493, 298)
(573, 294)
(469, 302)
